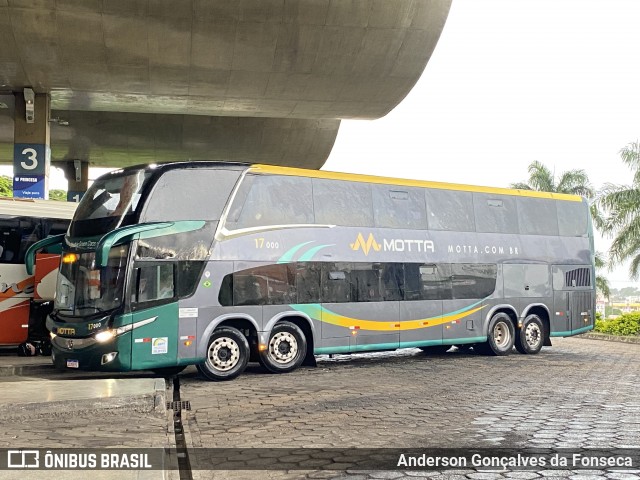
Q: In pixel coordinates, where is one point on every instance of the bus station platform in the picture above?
(43, 408)
(38, 388)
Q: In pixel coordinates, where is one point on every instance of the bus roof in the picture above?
(27, 207)
(352, 177)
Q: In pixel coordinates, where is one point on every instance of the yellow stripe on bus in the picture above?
(341, 321)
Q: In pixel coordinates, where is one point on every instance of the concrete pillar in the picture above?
(77, 174)
(31, 150)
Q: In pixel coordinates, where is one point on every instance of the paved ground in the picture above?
(71, 410)
(580, 393)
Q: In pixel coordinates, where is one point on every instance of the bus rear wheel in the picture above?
(500, 337)
(227, 355)
(286, 349)
(530, 336)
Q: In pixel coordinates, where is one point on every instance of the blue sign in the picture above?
(30, 170)
(29, 186)
(74, 196)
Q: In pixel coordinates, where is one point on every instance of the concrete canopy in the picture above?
(257, 80)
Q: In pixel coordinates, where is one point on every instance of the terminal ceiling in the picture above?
(136, 81)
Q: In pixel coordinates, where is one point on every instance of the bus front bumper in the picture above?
(89, 354)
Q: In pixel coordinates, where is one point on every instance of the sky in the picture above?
(510, 82)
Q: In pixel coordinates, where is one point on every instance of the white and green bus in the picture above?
(217, 264)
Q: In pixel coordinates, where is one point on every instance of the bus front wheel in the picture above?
(286, 349)
(500, 336)
(530, 336)
(227, 355)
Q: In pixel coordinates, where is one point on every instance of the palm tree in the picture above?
(575, 182)
(602, 284)
(620, 205)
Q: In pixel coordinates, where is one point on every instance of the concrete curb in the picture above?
(152, 401)
(610, 338)
(25, 370)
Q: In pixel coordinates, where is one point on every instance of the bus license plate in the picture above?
(73, 364)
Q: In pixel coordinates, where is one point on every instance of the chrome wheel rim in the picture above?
(223, 354)
(501, 335)
(533, 335)
(283, 347)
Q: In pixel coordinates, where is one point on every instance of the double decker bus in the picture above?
(218, 264)
(26, 299)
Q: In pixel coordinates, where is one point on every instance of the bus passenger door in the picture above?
(154, 308)
(471, 285)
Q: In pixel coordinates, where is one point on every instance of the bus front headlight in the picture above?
(105, 336)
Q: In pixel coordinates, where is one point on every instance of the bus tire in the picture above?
(530, 337)
(286, 349)
(500, 336)
(435, 349)
(227, 355)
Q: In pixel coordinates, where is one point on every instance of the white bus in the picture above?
(25, 300)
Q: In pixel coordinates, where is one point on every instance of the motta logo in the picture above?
(392, 245)
(367, 245)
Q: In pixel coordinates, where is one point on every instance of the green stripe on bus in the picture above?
(288, 255)
(388, 346)
(571, 332)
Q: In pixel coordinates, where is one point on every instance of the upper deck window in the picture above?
(271, 200)
(108, 203)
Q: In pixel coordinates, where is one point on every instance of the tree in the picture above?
(60, 195)
(6, 186)
(602, 284)
(574, 182)
(620, 213)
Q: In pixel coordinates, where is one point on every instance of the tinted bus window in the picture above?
(111, 202)
(154, 282)
(171, 198)
(449, 210)
(366, 282)
(16, 236)
(495, 213)
(392, 277)
(9, 240)
(473, 280)
(308, 282)
(342, 203)
(336, 282)
(399, 207)
(264, 285)
(427, 281)
(274, 200)
(572, 219)
(193, 245)
(537, 216)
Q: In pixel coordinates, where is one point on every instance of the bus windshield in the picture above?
(108, 203)
(84, 290)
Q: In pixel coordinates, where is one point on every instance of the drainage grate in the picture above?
(179, 406)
